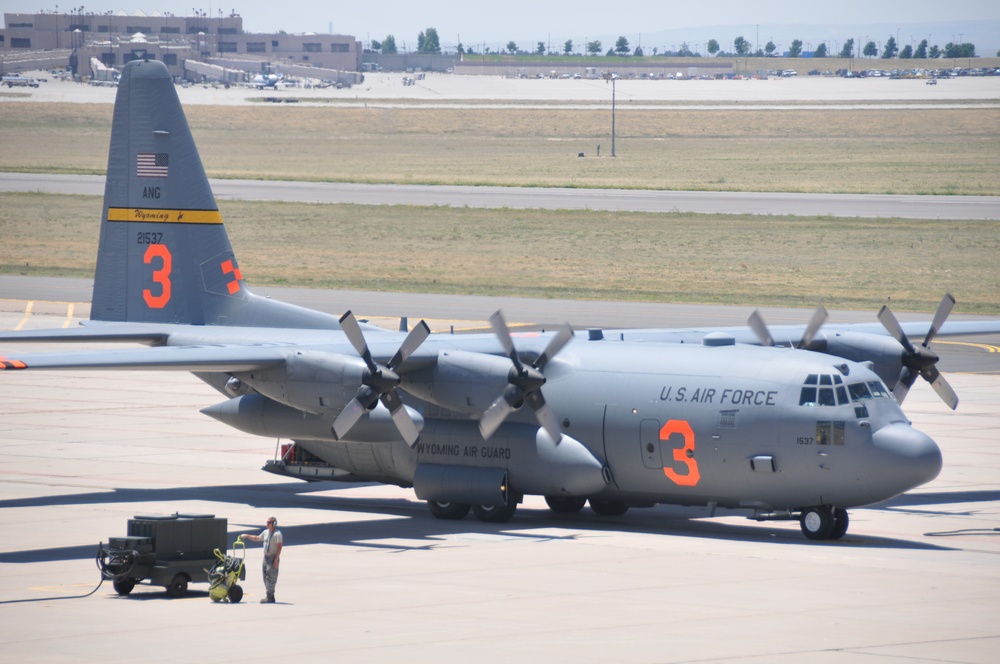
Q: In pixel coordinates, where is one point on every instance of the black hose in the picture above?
(49, 599)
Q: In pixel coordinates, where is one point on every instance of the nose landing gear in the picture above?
(824, 522)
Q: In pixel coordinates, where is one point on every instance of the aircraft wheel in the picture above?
(840, 522)
(817, 523)
(235, 594)
(123, 586)
(565, 505)
(495, 513)
(449, 511)
(178, 585)
(608, 507)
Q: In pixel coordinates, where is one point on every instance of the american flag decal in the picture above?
(151, 165)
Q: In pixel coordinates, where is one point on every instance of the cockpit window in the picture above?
(829, 390)
(826, 395)
(878, 389)
(860, 392)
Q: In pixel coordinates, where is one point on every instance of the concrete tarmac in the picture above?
(368, 575)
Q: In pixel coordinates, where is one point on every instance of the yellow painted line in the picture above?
(153, 216)
(66, 588)
(69, 315)
(987, 347)
(27, 315)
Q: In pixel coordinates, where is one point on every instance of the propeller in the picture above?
(920, 360)
(759, 327)
(379, 382)
(524, 383)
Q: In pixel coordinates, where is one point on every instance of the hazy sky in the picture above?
(529, 21)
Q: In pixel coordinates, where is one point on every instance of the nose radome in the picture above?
(916, 458)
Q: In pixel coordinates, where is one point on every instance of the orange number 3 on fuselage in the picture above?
(684, 455)
(161, 276)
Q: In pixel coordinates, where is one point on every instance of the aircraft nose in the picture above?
(915, 457)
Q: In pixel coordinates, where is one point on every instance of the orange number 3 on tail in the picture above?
(161, 276)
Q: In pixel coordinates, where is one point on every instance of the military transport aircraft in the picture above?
(789, 423)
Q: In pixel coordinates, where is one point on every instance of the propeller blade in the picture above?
(889, 322)
(502, 333)
(818, 318)
(380, 382)
(564, 336)
(900, 391)
(524, 383)
(494, 417)
(921, 360)
(417, 336)
(404, 423)
(351, 329)
(545, 416)
(348, 418)
(944, 310)
(407, 429)
(945, 391)
(759, 327)
(906, 379)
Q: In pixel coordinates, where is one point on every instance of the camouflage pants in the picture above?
(270, 576)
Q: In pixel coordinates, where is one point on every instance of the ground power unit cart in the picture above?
(170, 551)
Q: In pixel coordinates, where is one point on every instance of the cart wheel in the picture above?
(178, 586)
(235, 594)
(123, 586)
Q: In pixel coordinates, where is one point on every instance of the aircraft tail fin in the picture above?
(164, 254)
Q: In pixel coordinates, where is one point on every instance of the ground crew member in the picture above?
(271, 537)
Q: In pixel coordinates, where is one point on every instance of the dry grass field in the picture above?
(586, 255)
(875, 150)
(536, 253)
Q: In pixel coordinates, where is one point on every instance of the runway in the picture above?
(367, 575)
(724, 202)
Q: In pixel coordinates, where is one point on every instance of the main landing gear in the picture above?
(823, 522)
(486, 513)
(503, 513)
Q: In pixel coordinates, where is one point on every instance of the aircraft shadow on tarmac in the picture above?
(417, 525)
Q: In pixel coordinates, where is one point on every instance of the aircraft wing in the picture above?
(115, 333)
(790, 334)
(168, 358)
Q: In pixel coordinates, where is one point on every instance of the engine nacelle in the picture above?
(884, 352)
(309, 380)
(461, 381)
(258, 415)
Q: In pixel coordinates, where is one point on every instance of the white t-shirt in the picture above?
(271, 542)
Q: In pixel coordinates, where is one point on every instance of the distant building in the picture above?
(115, 38)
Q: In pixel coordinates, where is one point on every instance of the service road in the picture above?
(877, 206)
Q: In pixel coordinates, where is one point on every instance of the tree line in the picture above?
(429, 42)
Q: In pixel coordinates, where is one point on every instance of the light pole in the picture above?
(612, 78)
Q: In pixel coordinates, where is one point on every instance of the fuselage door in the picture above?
(649, 442)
